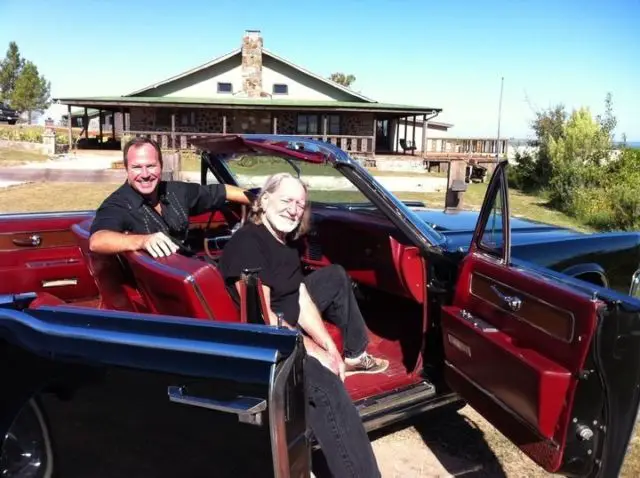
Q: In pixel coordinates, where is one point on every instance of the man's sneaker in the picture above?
(365, 363)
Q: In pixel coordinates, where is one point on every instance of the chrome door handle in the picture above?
(248, 409)
(512, 302)
(33, 241)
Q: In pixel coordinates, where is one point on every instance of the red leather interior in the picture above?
(116, 285)
(184, 286)
(40, 268)
(374, 254)
(537, 374)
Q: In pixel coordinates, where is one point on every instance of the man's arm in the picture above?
(237, 194)
(112, 242)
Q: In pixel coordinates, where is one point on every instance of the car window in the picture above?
(326, 184)
(492, 237)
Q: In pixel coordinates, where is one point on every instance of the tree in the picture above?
(10, 69)
(32, 90)
(342, 79)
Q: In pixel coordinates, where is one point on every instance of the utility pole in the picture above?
(499, 119)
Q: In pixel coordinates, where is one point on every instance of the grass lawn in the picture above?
(80, 196)
(13, 157)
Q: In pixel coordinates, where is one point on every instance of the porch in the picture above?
(362, 129)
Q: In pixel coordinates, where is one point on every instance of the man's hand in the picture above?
(159, 245)
(329, 358)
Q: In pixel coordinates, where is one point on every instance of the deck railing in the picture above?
(358, 145)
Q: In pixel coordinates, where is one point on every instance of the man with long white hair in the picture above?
(269, 241)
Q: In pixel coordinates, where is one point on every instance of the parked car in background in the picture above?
(8, 114)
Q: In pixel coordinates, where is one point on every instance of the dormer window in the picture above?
(280, 89)
(225, 87)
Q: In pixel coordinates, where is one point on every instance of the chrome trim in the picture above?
(532, 428)
(277, 416)
(388, 417)
(13, 321)
(521, 319)
(32, 215)
(511, 301)
(59, 282)
(191, 280)
(248, 409)
(635, 284)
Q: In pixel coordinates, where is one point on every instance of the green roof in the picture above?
(242, 103)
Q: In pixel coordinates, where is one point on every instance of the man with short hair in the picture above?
(146, 213)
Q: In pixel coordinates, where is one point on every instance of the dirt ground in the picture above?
(462, 444)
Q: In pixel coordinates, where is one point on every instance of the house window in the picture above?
(280, 89)
(225, 87)
(312, 124)
(188, 119)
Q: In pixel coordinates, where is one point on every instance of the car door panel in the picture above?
(514, 359)
(39, 252)
(549, 360)
(150, 396)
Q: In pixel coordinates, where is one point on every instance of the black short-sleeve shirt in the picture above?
(253, 246)
(125, 210)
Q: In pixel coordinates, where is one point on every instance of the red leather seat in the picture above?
(183, 286)
(115, 283)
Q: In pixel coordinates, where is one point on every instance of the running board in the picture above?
(392, 407)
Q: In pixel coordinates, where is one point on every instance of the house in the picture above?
(252, 90)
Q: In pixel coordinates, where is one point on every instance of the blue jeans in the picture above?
(336, 424)
(330, 289)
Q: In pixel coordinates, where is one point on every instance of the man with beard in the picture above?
(269, 242)
(146, 213)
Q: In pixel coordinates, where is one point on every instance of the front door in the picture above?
(549, 360)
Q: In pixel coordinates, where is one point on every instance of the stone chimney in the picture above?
(252, 63)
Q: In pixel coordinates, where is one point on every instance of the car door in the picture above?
(110, 394)
(549, 360)
(39, 253)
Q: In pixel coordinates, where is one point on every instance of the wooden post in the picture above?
(275, 124)
(397, 128)
(413, 136)
(425, 127)
(85, 123)
(373, 139)
(113, 125)
(100, 119)
(324, 127)
(70, 129)
(406, 121)
(456, 184)
(224, 123)
(173, 129)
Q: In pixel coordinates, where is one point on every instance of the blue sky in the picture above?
(446, 54)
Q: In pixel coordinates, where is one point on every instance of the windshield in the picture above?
(326, 184)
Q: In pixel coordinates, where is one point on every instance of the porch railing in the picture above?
(357, 145)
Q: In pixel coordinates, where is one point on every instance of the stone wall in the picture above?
(159, 119)
(287, 123)
(357, 124)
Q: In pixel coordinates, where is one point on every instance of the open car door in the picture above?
(98, 393)
(550, 361)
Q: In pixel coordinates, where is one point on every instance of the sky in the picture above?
(448, 54)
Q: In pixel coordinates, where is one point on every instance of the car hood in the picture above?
(458, 227)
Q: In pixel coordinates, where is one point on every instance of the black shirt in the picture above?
(125, 210)
(253, 246)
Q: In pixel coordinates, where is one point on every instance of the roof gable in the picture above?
(310, 79)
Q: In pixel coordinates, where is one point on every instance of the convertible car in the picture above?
(127, 365)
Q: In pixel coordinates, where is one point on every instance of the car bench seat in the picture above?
(188, 287)
(115, 283)
(182, 286)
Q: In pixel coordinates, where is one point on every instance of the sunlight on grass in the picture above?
(80, 196)
(15, 157)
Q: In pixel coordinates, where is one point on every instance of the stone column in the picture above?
(49, 138)
(252, 64)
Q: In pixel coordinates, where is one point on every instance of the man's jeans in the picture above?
(330, 289)
(336, 424)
